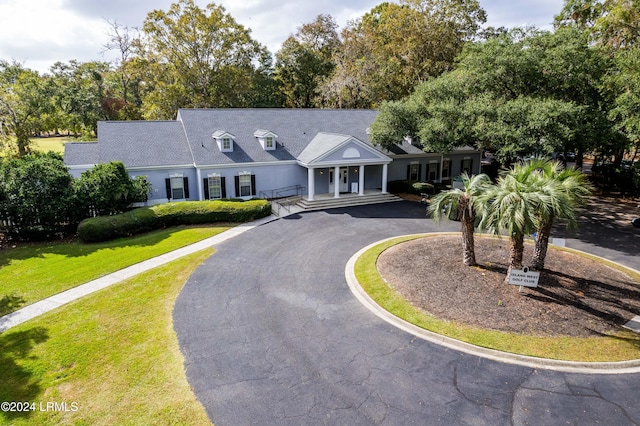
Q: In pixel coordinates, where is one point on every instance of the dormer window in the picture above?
(224, 140)
(267, 139)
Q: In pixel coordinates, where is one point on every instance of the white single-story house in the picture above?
(245, 153)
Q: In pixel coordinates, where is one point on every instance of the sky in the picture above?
(38, 33)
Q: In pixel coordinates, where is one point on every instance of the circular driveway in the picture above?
(271, 334)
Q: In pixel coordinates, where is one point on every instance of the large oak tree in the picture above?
(196, 58)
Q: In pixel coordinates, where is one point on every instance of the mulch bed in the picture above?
(575, 296)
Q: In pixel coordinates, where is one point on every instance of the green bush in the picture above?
(422, 187)
(144, 219)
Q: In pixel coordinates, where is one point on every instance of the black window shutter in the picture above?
(185, 181)
(237, 178)
(419, 172)
(205, 182)
(471, 166)
(253, 185)
(167, 185)
(223, 185)
(408, 171)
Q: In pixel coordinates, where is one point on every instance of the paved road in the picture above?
(272, 335)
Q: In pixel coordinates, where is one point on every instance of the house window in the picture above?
(466, 167)
(433, 171)
(414, 172)
(177, 188)
(269, 142)
(245, 185)
(446, 169)
(226, 144)
(215, 187)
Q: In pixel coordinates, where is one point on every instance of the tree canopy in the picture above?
(430, 66)
(521, 93)
(199, 58)
(398, 45)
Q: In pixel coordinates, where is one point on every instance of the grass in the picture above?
(55, 144)
(111, 357)
(45, 144)
(618, 347)
(33, 272)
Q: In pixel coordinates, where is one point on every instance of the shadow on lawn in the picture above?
(18, 382)
(10, 303)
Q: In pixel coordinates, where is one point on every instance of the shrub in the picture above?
(107, 189)
(422, 187)
(36, 198)
(145, 219)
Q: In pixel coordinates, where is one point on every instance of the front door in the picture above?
(343, 182)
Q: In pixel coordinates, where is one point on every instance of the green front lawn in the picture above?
(34, 272)
(109, 358)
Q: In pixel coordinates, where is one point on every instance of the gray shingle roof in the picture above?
(144, 143)
(81, 153)
(189, 139)
(295, 129)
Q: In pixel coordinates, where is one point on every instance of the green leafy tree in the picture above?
(36, 193)
(80, 96)
(24, 105)
(305, 60)
(623, 82)
(107, 189)
(465, 204)
(526, 92)
(196, 58)
(393, 47)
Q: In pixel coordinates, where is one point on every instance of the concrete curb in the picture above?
(622, 367)
(38, 308)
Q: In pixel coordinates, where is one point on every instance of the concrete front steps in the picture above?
(346, 200)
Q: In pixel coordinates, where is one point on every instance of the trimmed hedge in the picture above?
(145, 219)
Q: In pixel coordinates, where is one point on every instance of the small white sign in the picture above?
(524, 277)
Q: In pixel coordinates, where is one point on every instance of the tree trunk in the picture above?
(542, 244)
(515, 254)
(467, 220)
(468, 244)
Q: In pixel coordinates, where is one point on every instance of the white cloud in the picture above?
(41, 32)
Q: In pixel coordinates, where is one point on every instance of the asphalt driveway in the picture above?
(272, 335)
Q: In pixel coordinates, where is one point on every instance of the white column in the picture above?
(200, 188)
(311, 178)
(385, 172)
(336, 182)
(361, 180)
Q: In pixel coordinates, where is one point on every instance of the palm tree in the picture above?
(511, 206)
(565, 189)
(465, 204)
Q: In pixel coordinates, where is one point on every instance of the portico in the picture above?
(339, 164)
